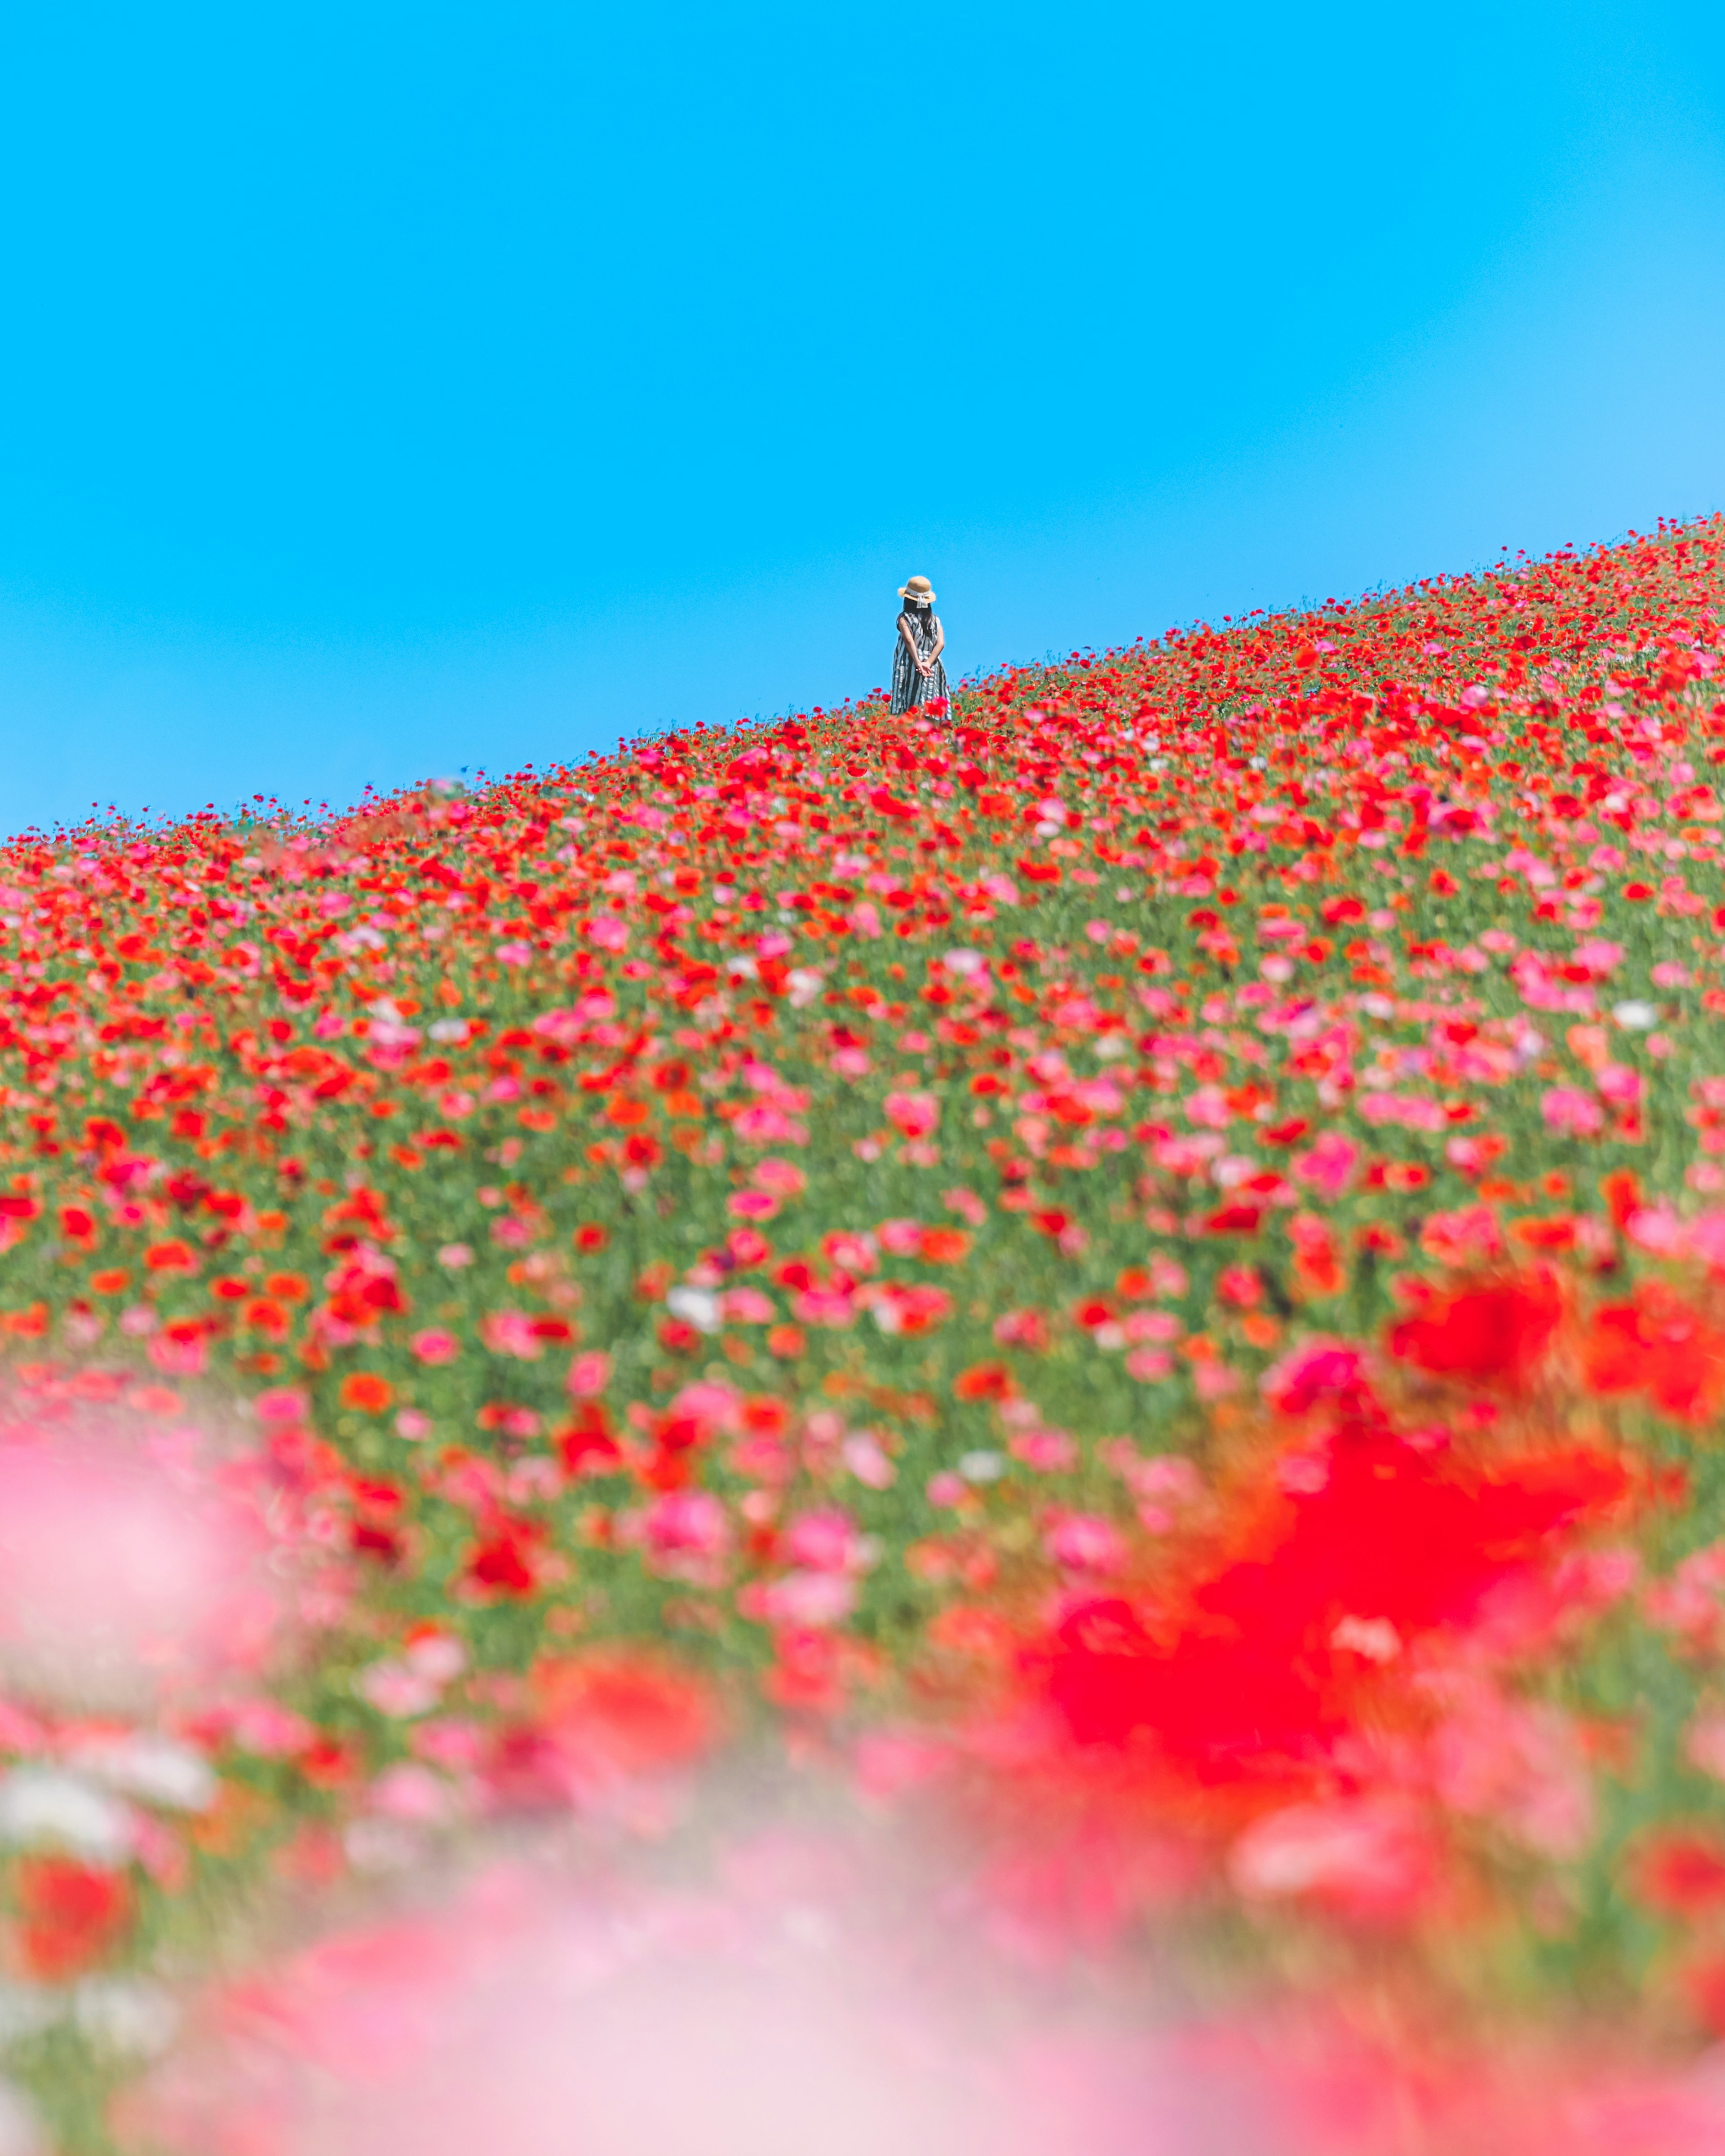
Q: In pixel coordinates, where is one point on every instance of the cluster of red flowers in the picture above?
(1140, 1253)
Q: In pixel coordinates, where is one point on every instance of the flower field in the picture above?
(1116, 1295)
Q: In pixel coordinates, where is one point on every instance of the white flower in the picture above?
(25, 2010)
(1374, 1637)
(982, 1467)
(696, 1305)
(41, 1804)
(145, 1764)
(1636, 1016)
(125, 2016)
(19, 2133)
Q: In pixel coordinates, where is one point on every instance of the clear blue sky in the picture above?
(387, 389)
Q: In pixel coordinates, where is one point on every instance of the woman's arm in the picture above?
(906, 630)
(940, 641)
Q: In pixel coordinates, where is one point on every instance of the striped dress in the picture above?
(910, 686)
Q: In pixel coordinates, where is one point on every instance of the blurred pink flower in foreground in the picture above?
(133, 1567)
(813, 2002)
(779, 2013)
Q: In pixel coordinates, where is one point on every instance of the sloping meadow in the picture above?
(1125, 1279)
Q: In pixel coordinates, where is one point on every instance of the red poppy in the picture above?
(365, 1391)
(1485, 1332)
(71, 1916)
(1658, 1345)
(983, 1381)
(1681, 1872)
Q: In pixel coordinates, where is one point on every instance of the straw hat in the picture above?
(918, 591)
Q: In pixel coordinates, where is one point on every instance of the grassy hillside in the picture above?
(1141, 1255)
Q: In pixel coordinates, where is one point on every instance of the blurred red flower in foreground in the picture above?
(1493, 1331)
(1657, 1344)
(1256, 1669)
(71, 1916)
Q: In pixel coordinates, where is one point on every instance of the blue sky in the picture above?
(386, 390)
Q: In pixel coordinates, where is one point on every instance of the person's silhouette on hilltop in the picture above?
(918, 676)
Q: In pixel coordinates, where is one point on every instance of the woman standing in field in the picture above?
(918, 676)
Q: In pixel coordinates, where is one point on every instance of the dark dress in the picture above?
(910, 686)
